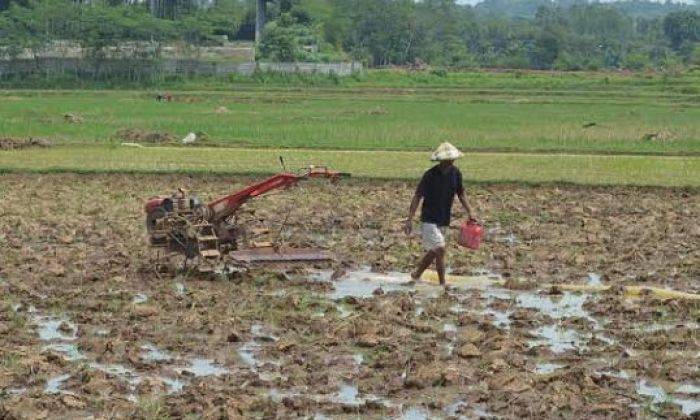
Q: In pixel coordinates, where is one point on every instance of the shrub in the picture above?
(439, 72)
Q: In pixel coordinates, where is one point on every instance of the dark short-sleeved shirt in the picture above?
(438, 190)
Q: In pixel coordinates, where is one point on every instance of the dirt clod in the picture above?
(73, 118)
(137, 135)
(468, 350)
(17, 143)
(662, 136)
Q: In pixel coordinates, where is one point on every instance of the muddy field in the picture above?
(88, 329)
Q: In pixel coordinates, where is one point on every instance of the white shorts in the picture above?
(433, 236)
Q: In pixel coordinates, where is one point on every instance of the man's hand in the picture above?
(408, 226)
(467, 208)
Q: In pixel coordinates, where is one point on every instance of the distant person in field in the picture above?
(438, 187)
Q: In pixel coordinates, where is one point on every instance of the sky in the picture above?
(473, 2)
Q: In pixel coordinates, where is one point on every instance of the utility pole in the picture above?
(155, 7)
(259, 20)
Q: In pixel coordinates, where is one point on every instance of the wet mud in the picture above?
(88, 327)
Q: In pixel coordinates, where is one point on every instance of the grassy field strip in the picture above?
(314, 90)
(477, 167)
(357, 122)
(425, 94)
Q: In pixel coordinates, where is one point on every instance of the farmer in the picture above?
(437, 189)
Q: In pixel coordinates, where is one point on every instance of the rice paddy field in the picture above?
(582, 302)
(652, 117)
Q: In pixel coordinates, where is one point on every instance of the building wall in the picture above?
(140, 69)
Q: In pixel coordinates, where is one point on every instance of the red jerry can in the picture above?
(470, 234)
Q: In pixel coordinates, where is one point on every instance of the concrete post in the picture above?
(259, 20)
(154, 7)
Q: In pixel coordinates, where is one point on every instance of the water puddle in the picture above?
(343, 312)
(56, 330)
(559, 340)
(53, 385)
(687, 389)
(458, 309)
(70, 351)
(454, 409)
(364, 283)
(204, 367)
(415, 413)
(179, 288)
(621, 374)
(247, 355)
(493, 294)
(689, 406)
(547, 368)
(654, 327)
(102, 332)
(498, 234)
(118, 371)
(51, 329)
(139, 298)
(247, 352)
(153, 354)
(487, 273)
(347, 395)
(449, 329)
(568, 305)
(16, 391)
(658, 396)
(259, 333)
(358, 358)
(499, 319)
(509, 239)
(174, 385)
(133, 379)
(594, 280)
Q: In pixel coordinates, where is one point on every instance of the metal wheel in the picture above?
(153, 217)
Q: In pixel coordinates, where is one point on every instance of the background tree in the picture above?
(682, 27)
(566, 34)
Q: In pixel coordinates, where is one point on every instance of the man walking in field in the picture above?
(437, 189)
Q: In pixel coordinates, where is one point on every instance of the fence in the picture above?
(134, 69)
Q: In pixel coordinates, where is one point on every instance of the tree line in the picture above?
(526, 34)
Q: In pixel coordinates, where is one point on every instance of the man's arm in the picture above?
(463, 199)
(412, 212)
(461, 194)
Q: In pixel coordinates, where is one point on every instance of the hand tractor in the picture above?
(210, 234)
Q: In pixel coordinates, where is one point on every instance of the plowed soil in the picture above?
(89, 329)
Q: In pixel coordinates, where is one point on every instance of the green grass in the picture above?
(585, 128)
(667, 171)
(370, 118)
(668, 82)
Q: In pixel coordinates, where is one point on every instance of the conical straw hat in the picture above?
(446, 151)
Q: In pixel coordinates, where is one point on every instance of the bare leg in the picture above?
(423, 265)
(440, 264)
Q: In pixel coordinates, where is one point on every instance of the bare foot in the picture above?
(415, 276)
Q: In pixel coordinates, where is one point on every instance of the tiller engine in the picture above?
(209, 233)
